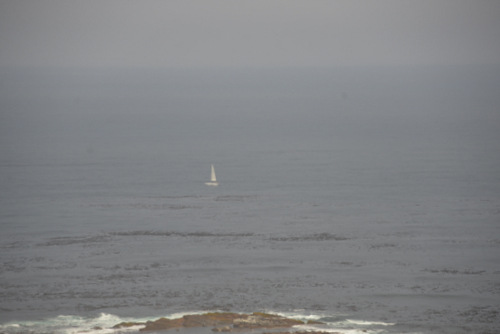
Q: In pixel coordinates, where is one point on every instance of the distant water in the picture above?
(368, 199)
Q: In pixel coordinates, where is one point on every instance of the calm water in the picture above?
(367, 198)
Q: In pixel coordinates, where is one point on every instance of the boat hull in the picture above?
(215, 184)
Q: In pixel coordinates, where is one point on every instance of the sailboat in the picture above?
(213, 179)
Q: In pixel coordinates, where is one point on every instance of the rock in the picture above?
(211, 319)
(162, 324)
(220, 322)
(302, 332)
(127, 324)
(263, 320)
(193, 320)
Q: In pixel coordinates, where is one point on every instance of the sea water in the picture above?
(368, 199)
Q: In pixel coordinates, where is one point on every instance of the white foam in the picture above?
(311, 328)
(70, 324)
(304, 315)
(100, 325)
(369, 323)
(181, 314)
(341, 324)
(338, 329)
(103, 323)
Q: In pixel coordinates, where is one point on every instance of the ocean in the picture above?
(366, 198)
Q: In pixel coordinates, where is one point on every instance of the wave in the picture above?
(335, 323)
(70, 324)
(312, 237)
(113, 236)
(63, 241)
(106, 237)
(87, 240)
(148, 206)
(104, 322)
(452, 271)
(234, 198)
(180, 234)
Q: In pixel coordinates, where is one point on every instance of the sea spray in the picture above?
(104, 323)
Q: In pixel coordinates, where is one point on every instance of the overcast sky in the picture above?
(252, 33)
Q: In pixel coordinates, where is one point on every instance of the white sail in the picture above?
(212, 176)
(213, 179)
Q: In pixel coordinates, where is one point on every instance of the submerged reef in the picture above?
(219, 322)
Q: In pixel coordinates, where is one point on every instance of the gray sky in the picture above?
(217, 33)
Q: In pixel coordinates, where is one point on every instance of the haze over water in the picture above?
(367, 197)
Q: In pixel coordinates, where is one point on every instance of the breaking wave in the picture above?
(69, 324)
(104, 323)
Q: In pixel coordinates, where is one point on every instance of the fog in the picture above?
(203, 71)
(92, 111)
(111, 33)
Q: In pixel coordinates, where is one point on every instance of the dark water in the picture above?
(367, 198)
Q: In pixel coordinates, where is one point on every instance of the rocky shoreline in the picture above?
(223, 322)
